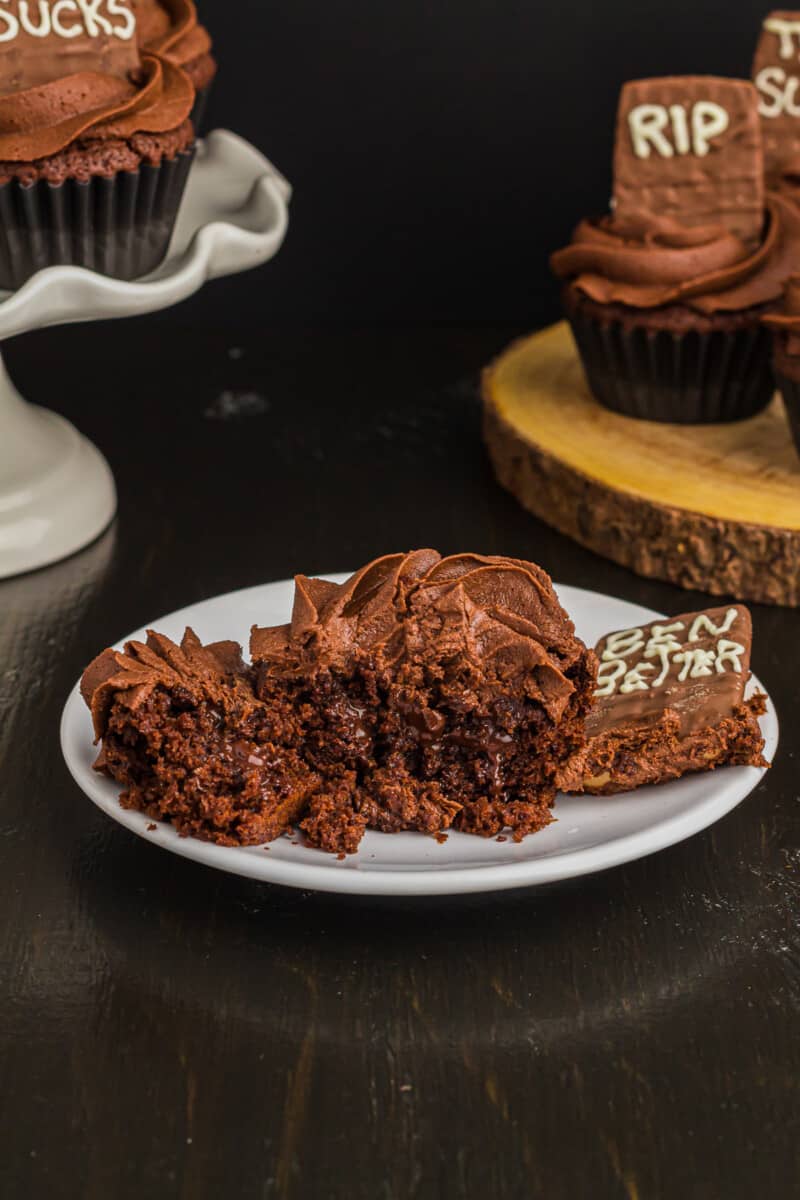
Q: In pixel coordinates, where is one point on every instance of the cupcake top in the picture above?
(466, 615)
(73, 71)
(171, 28)
(215, 673)
(786, 319)
(690, 223)
(645, 261)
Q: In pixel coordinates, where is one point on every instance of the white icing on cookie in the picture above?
(729, 652)
(696, 663)
(67, 19)
(627, 662)
(692, 132)
(786, 29)
(704, 622)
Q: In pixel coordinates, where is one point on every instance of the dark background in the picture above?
(440, 151)
(169, 1032)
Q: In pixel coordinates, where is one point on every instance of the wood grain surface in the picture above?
(167, 1031)
(715, 507)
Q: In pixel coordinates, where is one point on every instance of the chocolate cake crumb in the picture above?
(185, 735)
(424, 694)
(89, 157)
(437, 694)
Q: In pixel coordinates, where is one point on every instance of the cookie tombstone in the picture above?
(776, 74)
(670, 699)
(689, 148)
(57, 38)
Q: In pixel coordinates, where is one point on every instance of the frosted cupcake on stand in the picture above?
(96, 141)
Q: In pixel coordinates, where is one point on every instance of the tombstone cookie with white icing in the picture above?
(670, 699)
(689, 149)
(776, 74)
(43, 41)
(95, 140)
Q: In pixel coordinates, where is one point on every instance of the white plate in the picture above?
(588, 835)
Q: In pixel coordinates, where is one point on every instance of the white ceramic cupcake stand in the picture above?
(56, 490)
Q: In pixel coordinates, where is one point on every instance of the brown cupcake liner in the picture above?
(119, 226)
(200, 109)
(790, 390)
(690, 378)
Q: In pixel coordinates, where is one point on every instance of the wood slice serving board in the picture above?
(714, 507)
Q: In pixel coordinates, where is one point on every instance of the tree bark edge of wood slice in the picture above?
(540, 377)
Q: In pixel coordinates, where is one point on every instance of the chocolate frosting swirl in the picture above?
(483, 614)
(215, 672)
(171, 28)
(646, 261)
(43, 120)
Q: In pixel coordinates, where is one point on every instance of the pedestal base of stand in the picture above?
(56, 490)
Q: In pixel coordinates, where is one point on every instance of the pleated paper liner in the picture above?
(200, 110)
(119, 226)
(690, 378)
(790, 390)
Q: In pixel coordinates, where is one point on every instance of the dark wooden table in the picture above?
(167, 1031)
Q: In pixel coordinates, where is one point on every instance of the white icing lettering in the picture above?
(696, 663)
(125, 31)
(647, 123)
(703, 623)
(709, 120)
(633, 681)
(623, 644)
(608, 676)
(778, 92)
(65, 31)
(95, 24)
(40, 30)
(785, 30)
(680, 128)
(770, 83)
(661, 643)
(729, 652)
(789, 99)
(10, 28)
(51, 19)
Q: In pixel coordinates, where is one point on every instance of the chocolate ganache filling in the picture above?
(648, 262)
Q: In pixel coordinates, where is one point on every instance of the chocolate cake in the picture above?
(436, 693)
(184, 734)
(423, 694)
(670, 700)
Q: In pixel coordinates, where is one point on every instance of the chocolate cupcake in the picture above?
(171, 28)
(668, 321)
(95, 143)
(784, 325)
(666, 295)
